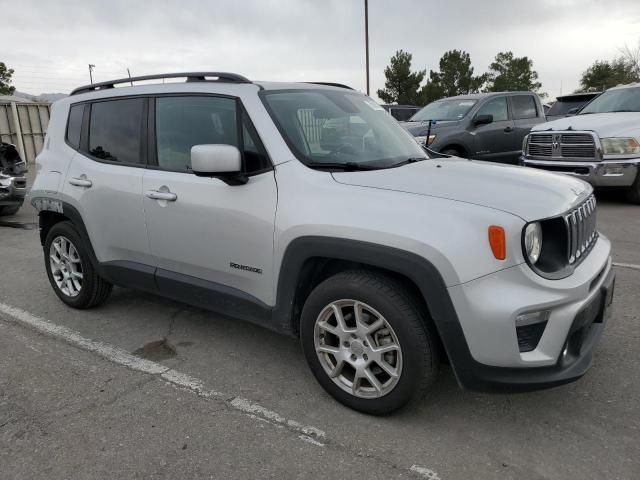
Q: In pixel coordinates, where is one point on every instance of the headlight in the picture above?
(533, 242)
(620, 146)
(424, 141)
(524, 144)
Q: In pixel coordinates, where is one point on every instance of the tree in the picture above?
(5, 80)
(631, 56)
(402, 84)
(509, 73)
(604, 74)
(454, 78)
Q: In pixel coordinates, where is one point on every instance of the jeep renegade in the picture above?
(308, 209)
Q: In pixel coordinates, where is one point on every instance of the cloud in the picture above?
(50, 44)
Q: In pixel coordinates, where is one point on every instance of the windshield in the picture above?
(618, 100)
(340, 128)
(444, 110)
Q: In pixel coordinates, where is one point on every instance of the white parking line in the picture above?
(169, 375)
(307, 433)
(627, 265)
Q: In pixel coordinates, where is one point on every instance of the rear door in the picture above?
(104, 180)
(494, 141)
(211, 234)
(526, 111)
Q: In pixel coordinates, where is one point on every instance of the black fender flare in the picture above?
(410, 265)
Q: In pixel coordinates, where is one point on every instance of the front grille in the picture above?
(562, 145)
(581, 230)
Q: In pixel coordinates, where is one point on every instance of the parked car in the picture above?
(567, 105)
(483, 126)
(379, 258)
(401, 112)
(13, 184)
(601, 144)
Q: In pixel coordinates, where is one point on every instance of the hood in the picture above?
(529, 193)
(420, 128)
(10, 162)
(604, 124)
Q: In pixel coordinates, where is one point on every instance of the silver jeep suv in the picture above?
(307, 209)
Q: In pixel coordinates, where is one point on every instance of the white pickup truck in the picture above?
(601, 144)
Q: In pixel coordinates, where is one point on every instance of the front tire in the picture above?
(69, 268)
(368, 342)
(7, 210)
(633, 194)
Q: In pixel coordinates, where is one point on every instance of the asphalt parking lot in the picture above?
(143, 387)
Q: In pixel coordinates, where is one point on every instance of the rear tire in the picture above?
(70, 270)
(7, 210)
(389, 319)
(633, 194)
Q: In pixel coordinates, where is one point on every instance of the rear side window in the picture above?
(524, 106)
(496, 107)
(115, 130)
(74, 125)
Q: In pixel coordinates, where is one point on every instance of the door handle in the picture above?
(508, 129)
(81, 181)
(156, 195)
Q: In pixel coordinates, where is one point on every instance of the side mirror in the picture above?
(483, 119)
(573, 111)
(220, 161)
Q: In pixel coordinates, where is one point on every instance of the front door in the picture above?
(206, 233)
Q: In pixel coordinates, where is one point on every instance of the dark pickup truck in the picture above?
(483, 126)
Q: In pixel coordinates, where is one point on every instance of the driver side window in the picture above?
(496, 107)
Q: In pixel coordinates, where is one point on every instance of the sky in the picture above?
(50, 44)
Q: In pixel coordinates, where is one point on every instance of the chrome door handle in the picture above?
(156, 195)
(81, 182)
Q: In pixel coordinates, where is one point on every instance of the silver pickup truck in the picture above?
(601, 144)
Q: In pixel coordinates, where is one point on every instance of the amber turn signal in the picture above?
(498, 242)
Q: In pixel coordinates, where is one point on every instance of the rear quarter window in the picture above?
(74, 125)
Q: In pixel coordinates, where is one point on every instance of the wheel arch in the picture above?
(309, 260)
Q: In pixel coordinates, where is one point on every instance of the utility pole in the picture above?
(366, 37)
(91, 67)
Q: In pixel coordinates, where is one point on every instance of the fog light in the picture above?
(529, 329)
(532, 317)
(613, 171)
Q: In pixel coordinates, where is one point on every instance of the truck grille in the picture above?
(581, 230)
(562, 145)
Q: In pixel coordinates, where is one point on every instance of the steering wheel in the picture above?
(345, 148)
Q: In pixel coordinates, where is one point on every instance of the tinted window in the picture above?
(524, 106)
(255, 156)
(562, 107)
(444, 110)
(182, 122)
(496, 107)
(75, 125)
(114, 130)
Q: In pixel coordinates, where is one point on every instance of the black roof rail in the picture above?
(331, 84)
(190, 76)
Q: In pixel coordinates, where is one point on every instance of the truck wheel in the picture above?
(368, 342)
(452, 151)
(633, 194)
(7, 210)
(70, 271)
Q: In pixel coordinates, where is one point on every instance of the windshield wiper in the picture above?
(408, 160)
(623, 110)
(347, 167)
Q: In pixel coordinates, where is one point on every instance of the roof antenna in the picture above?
(130, 81)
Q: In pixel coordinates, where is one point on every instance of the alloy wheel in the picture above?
(66, 266)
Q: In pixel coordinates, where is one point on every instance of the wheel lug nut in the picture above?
(353, 357)
(365, 356)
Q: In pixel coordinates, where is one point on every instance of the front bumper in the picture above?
(487, 309)
(606, 173)
(12, 190)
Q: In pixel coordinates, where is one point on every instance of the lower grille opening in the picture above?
(529, 336)
(556, 168)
